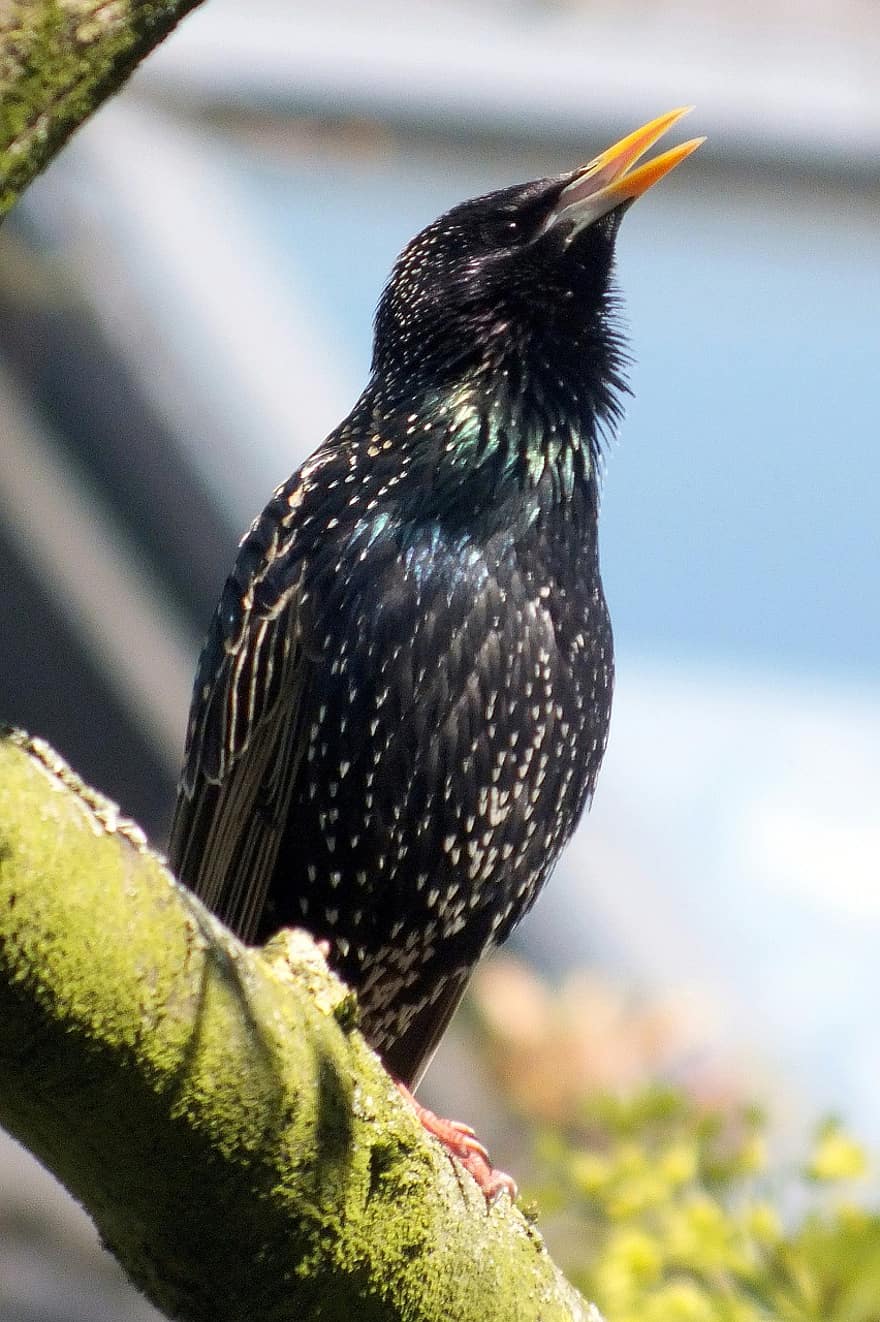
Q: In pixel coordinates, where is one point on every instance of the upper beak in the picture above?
(609, 180)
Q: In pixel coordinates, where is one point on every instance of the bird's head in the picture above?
(510, 294)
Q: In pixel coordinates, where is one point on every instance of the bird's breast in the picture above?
(456, 714)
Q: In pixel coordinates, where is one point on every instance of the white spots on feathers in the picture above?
(453, 735)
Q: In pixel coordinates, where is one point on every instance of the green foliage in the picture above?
(662, 1212)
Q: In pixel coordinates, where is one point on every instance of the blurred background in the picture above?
(185, 310)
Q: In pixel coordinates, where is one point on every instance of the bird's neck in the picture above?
(534, 441)
(490, 442)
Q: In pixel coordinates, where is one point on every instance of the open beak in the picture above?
(610, 179)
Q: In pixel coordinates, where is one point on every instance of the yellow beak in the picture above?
(609, 179)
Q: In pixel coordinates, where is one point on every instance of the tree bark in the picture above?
(59, 59)
(240, 1148)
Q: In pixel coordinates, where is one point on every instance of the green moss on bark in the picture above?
(59, 59)
(240, 1148)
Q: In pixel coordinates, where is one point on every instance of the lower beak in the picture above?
(610, 179)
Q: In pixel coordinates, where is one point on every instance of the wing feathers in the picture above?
(243, 750)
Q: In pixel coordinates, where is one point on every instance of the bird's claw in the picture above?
(461, 1141)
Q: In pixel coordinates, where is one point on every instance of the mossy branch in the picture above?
(59, 59)
(240, 1148)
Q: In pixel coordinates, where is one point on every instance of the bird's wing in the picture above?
(244, 735)
(409, 1055)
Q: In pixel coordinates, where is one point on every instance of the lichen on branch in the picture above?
(240, 1148)
(59, 60)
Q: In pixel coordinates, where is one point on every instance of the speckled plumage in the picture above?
(403, 702)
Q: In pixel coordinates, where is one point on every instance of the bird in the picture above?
(403, 701)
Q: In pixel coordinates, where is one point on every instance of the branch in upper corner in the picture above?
(240, 1148)
(59, 60)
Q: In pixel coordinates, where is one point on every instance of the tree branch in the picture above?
(240, 1148)
(59, 59)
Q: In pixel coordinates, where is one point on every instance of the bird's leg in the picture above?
(461, 1141)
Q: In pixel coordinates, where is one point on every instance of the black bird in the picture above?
(403, 701)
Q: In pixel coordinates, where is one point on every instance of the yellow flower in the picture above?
(837, 1157)
(589, 1171)
(763, 1223)
(635, 1194)
(638, 1254)
(681, 1301)
(752, 1156)
(679, 1163)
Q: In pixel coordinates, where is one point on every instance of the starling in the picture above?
(402, 705)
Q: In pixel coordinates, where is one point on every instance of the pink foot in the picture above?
(461, 1141)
